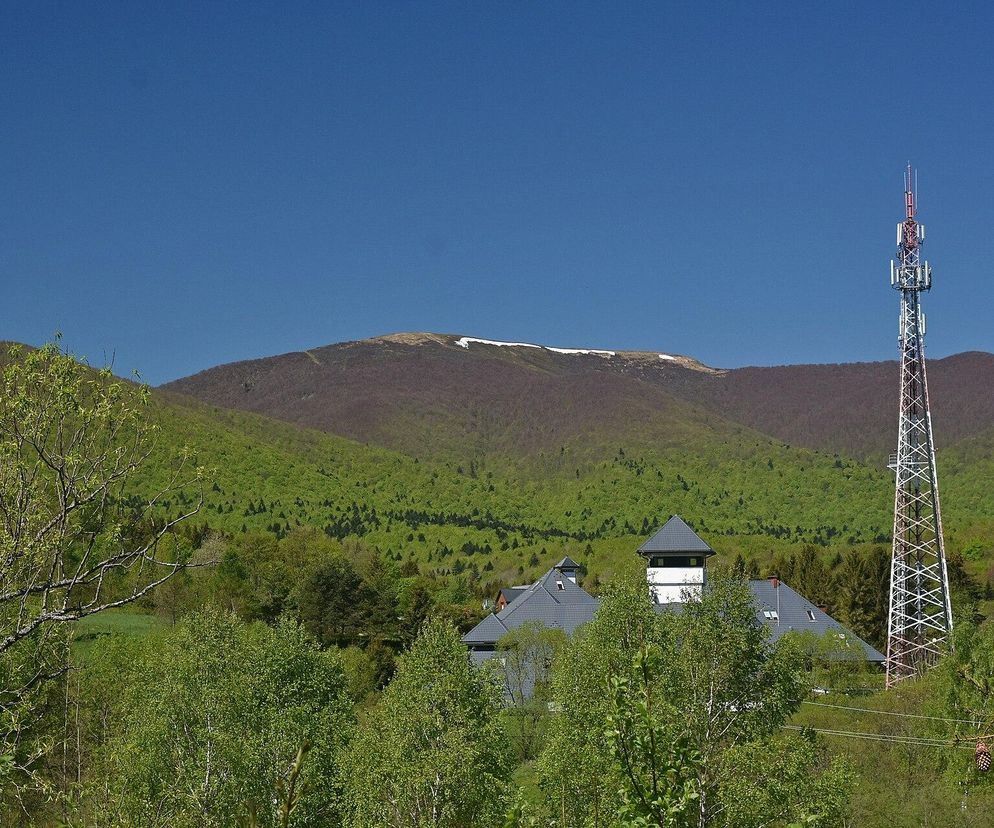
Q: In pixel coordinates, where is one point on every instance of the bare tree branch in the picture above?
(72, 540)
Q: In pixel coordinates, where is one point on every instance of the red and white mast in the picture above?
(920, 621)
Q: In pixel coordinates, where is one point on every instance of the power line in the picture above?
(877, 737)
(890, 713)
(916, 741)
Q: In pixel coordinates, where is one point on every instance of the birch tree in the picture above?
(71, 440)
(527, 655)
(675, 719)
(205, 728)
(433, 751)
(74, 537)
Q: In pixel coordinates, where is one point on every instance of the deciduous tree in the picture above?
(75, 536)
(205, 727)
(433, 751)
(527, 655)
(71, 440)
(680, 696)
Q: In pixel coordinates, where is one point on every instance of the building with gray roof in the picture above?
(675, 562)
(507, 595)
(554, 600)
(557, 602)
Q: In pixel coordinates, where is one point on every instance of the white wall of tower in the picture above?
(673, 584)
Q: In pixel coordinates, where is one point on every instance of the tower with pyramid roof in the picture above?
(675, 562)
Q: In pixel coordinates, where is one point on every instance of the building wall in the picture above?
(669, 583)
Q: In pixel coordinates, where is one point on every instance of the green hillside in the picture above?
(744, 492)
(795, 511)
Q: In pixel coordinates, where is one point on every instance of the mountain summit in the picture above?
(442, 394)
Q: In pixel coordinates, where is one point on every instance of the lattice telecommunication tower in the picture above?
(920, 623)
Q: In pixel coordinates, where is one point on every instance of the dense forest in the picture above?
(211, 618)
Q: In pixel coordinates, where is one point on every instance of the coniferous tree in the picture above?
(337, 606)
(862, 585)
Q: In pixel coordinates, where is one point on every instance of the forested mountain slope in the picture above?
(743, 491)
(851, 409)
(501, 508)
(432, 394)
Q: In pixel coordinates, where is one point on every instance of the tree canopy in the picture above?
(202, 727)
(432, 752)
(658, 710)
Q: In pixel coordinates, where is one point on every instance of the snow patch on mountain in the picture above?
(464, 342)
(579, 351)
(642, 356)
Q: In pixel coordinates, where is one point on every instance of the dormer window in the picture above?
(559, 585)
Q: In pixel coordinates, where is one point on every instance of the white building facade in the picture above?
(675, 563)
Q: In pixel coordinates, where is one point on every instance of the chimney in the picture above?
(774, 581)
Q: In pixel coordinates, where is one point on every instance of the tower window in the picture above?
(682, 561)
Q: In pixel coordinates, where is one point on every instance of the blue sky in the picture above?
(185, 185)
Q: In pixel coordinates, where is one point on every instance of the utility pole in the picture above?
(920, 622)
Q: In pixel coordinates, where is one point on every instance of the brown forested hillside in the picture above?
(426, 394)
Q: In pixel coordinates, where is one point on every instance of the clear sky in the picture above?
(190, 184)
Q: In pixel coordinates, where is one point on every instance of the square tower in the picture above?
(675, 560)
(568, 567)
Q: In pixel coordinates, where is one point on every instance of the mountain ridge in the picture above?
(420, 392)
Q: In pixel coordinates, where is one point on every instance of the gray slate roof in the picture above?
(793, 609)
(567, 563)
(489, 631)
(568, 607)
(675, 536)
(553, 600)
